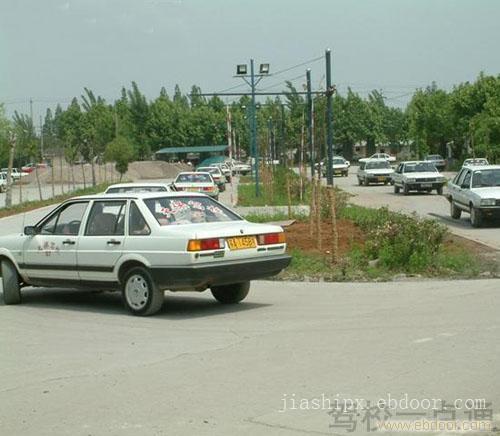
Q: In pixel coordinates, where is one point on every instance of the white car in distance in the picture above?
(143, 244)
(475, 190)
(196, 182)
(417, 176)
(375, 171)
(378, 156)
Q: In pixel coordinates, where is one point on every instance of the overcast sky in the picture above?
(51, 49)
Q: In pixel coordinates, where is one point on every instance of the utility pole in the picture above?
(230, 144)
(329, 118)
(41, 138)
(282, 148)
(310, 121)
(253, 116)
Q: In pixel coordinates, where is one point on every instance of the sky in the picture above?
(52, 49)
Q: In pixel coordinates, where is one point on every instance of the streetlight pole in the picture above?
(255, 150)
(310, 122)
(329, 120)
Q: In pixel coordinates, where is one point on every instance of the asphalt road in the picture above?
(425, 205)
(76, 363)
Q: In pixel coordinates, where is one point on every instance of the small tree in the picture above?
(120, 151)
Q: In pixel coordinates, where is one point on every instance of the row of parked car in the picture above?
(475, 189)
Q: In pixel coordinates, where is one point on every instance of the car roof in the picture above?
(192, 173)
(414, 161)
(376, 160)
(138, 195)
(133, 184)
(485, 167)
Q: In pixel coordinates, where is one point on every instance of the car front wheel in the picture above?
(406, 189)
(439, 190)
(140, 294)
(476, 217)
(396, 189)
(230, 294)
(455, 211)
(10, 278)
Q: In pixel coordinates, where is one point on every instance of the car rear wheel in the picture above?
(476, 217)
(140, 294)
(230, 294)
(10, 279)
(455, 212)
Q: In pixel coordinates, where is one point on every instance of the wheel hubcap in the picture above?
(136, 292)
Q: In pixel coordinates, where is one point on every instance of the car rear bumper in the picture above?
(219, 273)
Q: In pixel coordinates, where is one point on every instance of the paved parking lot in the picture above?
(426, 205)
(76, 363)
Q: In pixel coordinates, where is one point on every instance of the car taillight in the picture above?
(208, 188)
(271, 238)
(205, 244)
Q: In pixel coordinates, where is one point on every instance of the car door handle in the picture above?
(69, 242)
(113, 242)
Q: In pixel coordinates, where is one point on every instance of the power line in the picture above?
(291, 79)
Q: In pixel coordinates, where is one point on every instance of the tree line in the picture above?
(465, 120)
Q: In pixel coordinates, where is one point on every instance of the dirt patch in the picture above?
(105, 173)
(298, 236)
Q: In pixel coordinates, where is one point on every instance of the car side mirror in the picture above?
(30, 230)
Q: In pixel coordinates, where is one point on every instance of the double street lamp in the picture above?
(252, 80)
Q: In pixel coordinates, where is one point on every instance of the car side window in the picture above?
(67, 221)
(137, 225)
(467, 178)
(362, 166)
(106, 218)
(458, 180)
(400, 169)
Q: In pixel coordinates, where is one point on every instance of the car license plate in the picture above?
(426, 185)
(242, 242)
(381, 179)
(193, 189)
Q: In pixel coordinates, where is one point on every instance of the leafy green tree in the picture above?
(120, 151)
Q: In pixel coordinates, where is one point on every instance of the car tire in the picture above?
(476, 217)
(230, 294)
(406, 190)
(455, 211)
(360, 182)
(396, 189)
(140, 294)
(386, 182)
(10, 279)
(366, 182)
(439, 190)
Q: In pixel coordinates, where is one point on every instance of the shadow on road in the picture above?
(175, 307)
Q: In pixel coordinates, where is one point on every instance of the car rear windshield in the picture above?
(188, 210)
(486, 178)
(211, 170)
(377, 165)
(193, 178)
(421, 167)
(123, 189)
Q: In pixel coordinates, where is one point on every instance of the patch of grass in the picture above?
(36, 204)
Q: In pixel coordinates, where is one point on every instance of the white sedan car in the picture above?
(417, 176)
(385, 156)
(197, 182)
(143, 244)
(374, 171)
(475, 190)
